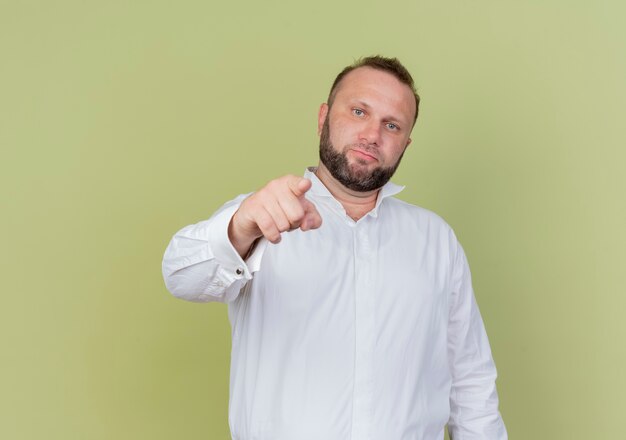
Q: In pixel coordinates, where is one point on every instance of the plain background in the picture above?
(121, 122)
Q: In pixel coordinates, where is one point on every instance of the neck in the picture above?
(356, 203)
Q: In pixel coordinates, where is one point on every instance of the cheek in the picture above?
(341, 135)
(395, 151)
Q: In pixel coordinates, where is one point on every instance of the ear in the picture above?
(408, 142)
(321, 117)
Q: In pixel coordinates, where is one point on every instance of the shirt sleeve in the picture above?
(474, 411)
(200, 263)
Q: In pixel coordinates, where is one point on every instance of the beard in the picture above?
(352, 177)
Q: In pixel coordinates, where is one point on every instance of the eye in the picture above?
(392, 126)
(358, 112)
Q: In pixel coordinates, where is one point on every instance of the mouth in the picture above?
(364, 155)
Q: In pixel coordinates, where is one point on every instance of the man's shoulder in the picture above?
(416, 212)
(421, 224)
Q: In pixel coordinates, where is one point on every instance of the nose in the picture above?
(370, 132)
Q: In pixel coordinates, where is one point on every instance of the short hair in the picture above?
(390, 65)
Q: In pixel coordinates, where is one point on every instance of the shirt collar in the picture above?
(319, 189)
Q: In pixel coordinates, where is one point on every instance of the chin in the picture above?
(362, 167)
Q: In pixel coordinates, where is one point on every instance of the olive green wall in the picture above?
(121, 122)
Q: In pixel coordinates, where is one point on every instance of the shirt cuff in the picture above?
(232, 267)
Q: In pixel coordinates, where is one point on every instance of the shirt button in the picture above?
(239, 271)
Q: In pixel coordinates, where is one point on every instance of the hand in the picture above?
(277, 207)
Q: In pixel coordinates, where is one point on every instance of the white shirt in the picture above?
(364, 330)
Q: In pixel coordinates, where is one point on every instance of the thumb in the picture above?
(299, 185)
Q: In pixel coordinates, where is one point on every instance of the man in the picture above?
(358, 321)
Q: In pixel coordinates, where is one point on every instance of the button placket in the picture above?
(365, 335)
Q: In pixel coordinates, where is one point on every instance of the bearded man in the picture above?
(352, 312)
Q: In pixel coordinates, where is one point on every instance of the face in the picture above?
(364, 133)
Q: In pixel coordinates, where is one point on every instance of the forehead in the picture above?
(377, 88)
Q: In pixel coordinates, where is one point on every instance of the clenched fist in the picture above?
(277, 207)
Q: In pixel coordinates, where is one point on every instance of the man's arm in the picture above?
(474, 411)
(200, 264)
(204, 262)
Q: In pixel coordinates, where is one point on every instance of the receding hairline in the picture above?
(392, 66)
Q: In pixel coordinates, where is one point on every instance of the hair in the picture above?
(389, 65)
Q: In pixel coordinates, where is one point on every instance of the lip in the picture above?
(364, 154)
